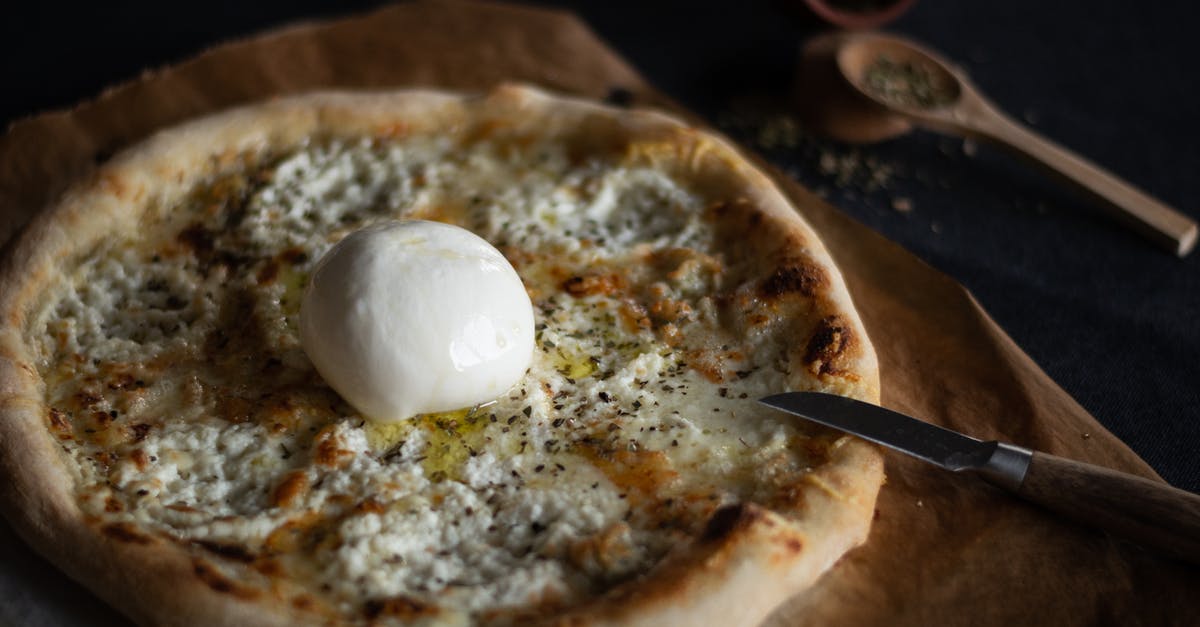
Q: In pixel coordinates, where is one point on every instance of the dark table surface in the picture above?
(1115, 321)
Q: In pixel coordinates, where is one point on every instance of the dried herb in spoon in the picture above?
(908, 83)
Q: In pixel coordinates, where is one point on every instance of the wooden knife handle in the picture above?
(1142, 511)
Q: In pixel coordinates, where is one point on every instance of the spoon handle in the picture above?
(1151, 218)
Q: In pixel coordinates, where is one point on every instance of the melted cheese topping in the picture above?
(179, 390)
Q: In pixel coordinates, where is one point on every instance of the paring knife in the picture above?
(1146, 512)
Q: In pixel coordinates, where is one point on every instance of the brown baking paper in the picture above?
(944, 549)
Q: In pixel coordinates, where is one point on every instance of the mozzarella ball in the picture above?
(412, 317)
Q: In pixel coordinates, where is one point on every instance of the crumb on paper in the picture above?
(902, 204)
(936, 227)
(969, 147)
(1086, 435)
(920, 503)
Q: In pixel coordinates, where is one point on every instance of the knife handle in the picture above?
(1149, 513)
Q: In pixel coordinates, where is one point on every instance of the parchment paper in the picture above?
(944, 549)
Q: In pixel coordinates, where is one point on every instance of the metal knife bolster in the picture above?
(1006, 466)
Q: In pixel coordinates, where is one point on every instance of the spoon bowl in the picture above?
(897, 74)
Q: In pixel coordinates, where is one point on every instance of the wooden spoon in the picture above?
(903, 79)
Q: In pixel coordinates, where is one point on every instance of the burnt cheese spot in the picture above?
(139, 431)
(587, 285)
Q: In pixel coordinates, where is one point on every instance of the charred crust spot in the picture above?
(828, 346)
(125, 532)
(793, 545)
(304, 602)
(793, 278)
(228, 551)
(397, 607)
(725, 520)
(619, 96)
(220, 583)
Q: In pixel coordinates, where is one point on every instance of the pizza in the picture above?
(166, 440)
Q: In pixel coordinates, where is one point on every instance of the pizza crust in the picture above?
(749, 559)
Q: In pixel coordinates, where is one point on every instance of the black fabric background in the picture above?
(1113, 320)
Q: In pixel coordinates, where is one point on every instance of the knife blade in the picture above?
(1003, 464)
(1150, 513)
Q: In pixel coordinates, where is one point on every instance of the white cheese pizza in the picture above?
(166, 440)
